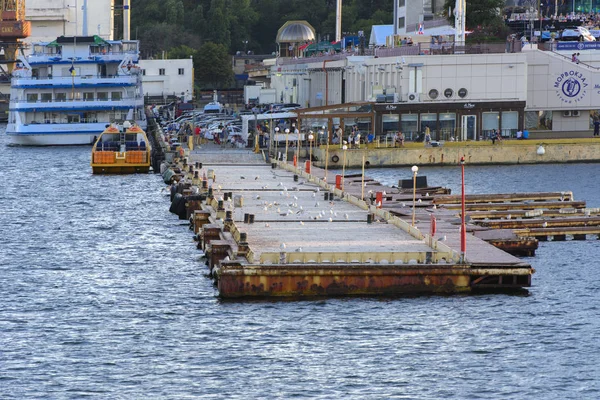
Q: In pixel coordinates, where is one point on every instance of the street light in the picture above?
(287, 132)
(326, 153)
(414, 170)
(310, 139)
(276, 139)
(344, 148)
(463, 228)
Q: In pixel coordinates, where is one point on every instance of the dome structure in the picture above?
(293, 34)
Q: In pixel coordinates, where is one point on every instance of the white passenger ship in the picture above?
(68, 90)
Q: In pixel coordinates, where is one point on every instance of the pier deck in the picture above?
(278, 231)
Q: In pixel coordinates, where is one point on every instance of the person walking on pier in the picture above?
(596, 127)
(427, 139)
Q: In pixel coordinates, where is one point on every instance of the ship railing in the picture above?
(126, 100)
(125, 76)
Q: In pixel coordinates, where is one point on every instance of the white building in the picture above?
(461, 96)
(164, 78)
(53, 18)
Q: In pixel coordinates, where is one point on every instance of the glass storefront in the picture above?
(409, 125)
(429, 120)
(447, 126)
(390, 124)
(490, 122)
(510, 123)
(538, 120)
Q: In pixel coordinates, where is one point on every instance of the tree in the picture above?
(213, 66)
(480, 13)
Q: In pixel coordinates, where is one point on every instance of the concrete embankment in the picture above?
(449, 153)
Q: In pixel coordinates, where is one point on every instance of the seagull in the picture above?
(330, 219)
(314, 195)
(256, 178)
(545, 224)
(301, 222)
(317, 204)
(267, 225)
(242, 177)
(282, 246)
(426, 194)
(299, 249)
(508, 216)
(346, 216)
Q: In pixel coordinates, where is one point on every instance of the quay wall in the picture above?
(553, 151)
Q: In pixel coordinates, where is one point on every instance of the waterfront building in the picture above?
(458, 96)
(164, 79)
(53, 18)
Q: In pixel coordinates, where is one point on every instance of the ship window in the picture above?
(161, 71)
(61, 96)
(46, 97)
(103, 96)
(115, 96)
(73, 118)
(144, 72)
(32, 97)
(88, 96)
(180, 71)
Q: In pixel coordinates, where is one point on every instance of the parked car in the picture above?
(578, 33)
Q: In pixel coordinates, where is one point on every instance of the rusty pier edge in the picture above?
(277, 230)
(235, 280)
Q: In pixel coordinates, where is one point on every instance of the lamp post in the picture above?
(275, 138)
(344, 148)
(463, 228)
(310, 139)
(287, 132)
(326, 155)
(414, 170)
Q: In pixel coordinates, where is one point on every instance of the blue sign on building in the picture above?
(578, 46)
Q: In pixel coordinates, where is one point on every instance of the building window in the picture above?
(409, 125)
(32, 97)
(429, 120)
(447, 126)
(538, 120)
(144, 72)
(115, 96)
(490, 121)
(181, 71)
(161, 71)
(400, 22)
(390, 123)
(46, 97)
(510, 123)
(88, 96)
(102, 96)
(60, 96)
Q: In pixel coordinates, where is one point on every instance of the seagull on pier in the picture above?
(545, 224)
(256, 178)
(346, 216)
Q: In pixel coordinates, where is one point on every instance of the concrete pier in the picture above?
(275, 230)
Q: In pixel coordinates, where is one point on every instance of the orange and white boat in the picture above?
(121, 149)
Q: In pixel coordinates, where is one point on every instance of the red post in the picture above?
(307, 166)
(295, 161)
(338, 182)
(433, 225)
(463, 228)
(379, 199)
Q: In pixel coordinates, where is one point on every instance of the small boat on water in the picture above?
(121, 150)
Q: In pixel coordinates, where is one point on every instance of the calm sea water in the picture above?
(102, 296)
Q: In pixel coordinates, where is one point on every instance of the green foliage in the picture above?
(480, 13)
(213, 66)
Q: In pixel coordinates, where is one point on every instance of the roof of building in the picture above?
(295, 32)
(379, 33)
